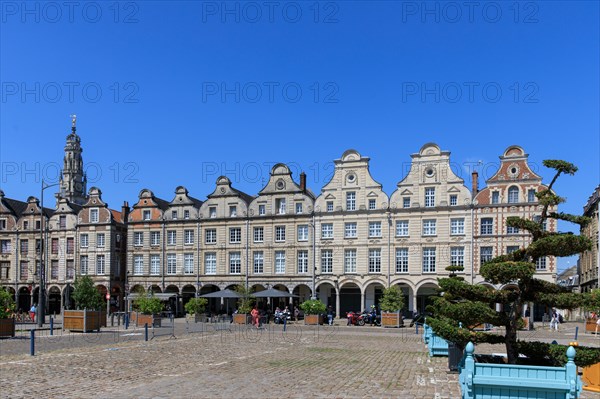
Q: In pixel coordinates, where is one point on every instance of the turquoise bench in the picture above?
(427, 331)
(438, 346)
(504, 381)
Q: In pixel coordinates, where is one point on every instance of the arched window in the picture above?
(513, 195)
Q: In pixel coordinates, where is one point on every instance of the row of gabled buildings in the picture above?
(347, 243)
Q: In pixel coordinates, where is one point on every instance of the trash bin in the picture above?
(455, 355)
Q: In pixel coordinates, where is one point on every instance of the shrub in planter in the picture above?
(85, 295)
(150, 306)
(7, 308)
(313, 311)
(89, 315)
(390, 304)
(245, 304)
(196, 307)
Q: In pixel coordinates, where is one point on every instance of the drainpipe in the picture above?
(389, 219)
(247, 228)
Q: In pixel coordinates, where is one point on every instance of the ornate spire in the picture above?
(73, 181)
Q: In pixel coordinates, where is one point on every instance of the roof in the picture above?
(594, 198)
(18, 207)
(117, 216)
(162, 204)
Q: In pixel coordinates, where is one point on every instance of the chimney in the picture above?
(303, 182)
(474, 186)
(125, 211)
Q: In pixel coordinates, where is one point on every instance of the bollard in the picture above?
(51, 325)
(112, 319)
(32, 342)
(145, 331)
(126, 321)
(284, 322)
(576, 332)
(417, 328)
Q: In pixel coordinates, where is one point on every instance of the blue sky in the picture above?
(178, 93)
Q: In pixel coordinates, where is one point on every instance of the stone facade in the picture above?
(588, 261)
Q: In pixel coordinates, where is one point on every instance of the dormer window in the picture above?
(298, 207)
(329, 206)
(495, 197)
(281, 206)
(212, 212)
(453, 200)
(186, 214)
(262, 210)
(146, 213)
(174, 215)
(94, 215)
(232, 211)
(2, 224)
(513, 195)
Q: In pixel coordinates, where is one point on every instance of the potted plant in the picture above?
(7, 309)
(89, 315)
(465, 304)
(245, 304)
(149, 307)
(390, 304)
(313, 311)
(195, 308)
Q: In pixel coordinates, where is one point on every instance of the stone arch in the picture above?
(351, 296)
(425, 290)
(54, 300)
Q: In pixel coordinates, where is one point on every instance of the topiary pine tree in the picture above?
(85, 295)
(473, 305)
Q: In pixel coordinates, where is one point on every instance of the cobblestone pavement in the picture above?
(303, 362)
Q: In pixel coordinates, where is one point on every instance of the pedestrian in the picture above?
(554, 320)
(330, 315)
(296, 313)
(32, 313)
(255, 316)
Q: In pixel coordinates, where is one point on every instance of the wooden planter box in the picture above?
(196, 318)
(590, 325)
(313, 319)
(240, 318)
(591, 378)
(505, 381)
(140, 319)
(391, 319)
(84, 320)
(7, 328)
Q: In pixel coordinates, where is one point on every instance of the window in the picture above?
(259, 262)
(495, 197)
(174, 215)
(429, 197)
(83, 265)
(351, 201)
(171, 264)
(372, 204)
(100, 240)
(406, 202)
(3, 224)
(428, 260)
(154, 265)
(453, 200)
(374, 229)
(171, 237)
(100, 265)
(25, 225)
(350, 230)
(302, 262)
(235, 235)
(155, 238)
(280, 206)
(70, 269)
(402, 228)
(401, 260)
(279, 233)
(94, 215)
(374, 260)
(235, 263)
(298, 207)
(540, 263)
(210, 236)
(457, 256)
(138, 265)
(5, 246)
(210, 263)
(487, 226)
(259, 234)
(188, 237)
(531, 195)
(512, 230)
(186, 214)
(457, 226)
(326, 261)
(84, 240)
(429, 227)
(54, 244)
(70, 245)
(53, 270)
(38, 225)
(38, 246)
(262, 210)
(513, 195)
(303, 232)
(512, 248)
(24, 272)
(327, 230)
(138, 239)
(188, 263)
(146, 214)
(329, 206)
(62, 222)
(485, 254)
(24, 246)
(232, 211)
(279, 262)
(350, 261)
(212, 212)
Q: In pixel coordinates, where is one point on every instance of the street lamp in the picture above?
(41, 309)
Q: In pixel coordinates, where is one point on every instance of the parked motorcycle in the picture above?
(279, 317)
(371, 318)
(355, 319)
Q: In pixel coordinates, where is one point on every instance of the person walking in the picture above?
(255, 316)
(32, 313)
(330, 315)
(554, 320)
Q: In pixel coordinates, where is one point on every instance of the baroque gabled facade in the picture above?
(589, 261)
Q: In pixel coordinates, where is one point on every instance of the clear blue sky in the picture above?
(178, 93)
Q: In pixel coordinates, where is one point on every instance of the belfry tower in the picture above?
(73, 180)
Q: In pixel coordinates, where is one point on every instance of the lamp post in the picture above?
(41, 309)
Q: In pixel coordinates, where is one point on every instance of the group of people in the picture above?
(555, 320)
(257, 314)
